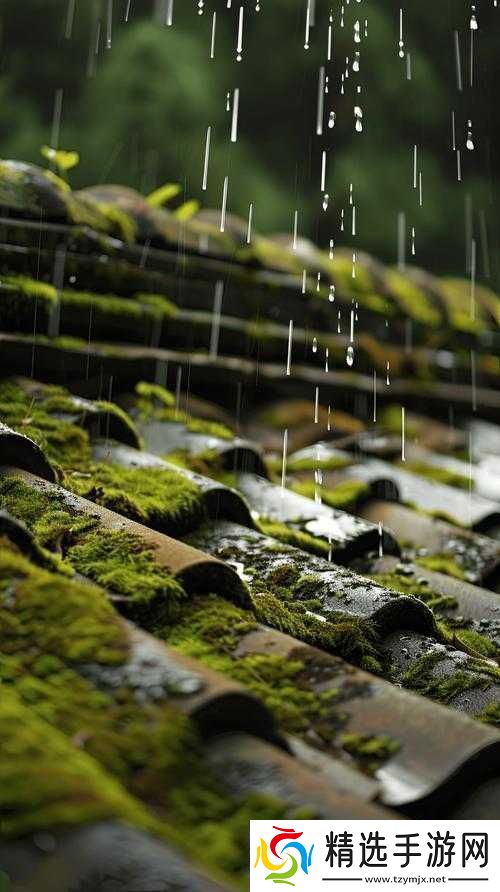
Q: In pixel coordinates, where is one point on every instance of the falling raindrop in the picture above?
(330, 253)
(239, 45)
(331, 120)
(353, 264)
(228, 101)
(315, 345)
(318, 281)
(212, 41)
(342, 220)
(327, 81)
(357, 32)
(316, 406)
(326, 360)
(380, 539)
(342, 17)
(338, 323)
(473, 20)
(401, 41)
(470, 142)
(388, 368)
(355, 63)
(350, 355)
(326, 199)
(201, 5)
(358, 117)
(413, 241)
(331, 293)
(290, 342)
(328, 424)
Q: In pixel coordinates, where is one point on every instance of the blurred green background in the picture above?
(138, 111)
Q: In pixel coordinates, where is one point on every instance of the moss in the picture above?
(440, 475)
(408, 585)
(369, 749)
(420, 677)
(346, 636)
(120, 562)
(490, 715)
(412, 300)
(46, 782)
(345, 495)
(154, 402)
(456, 295)
(287, 534)
(116, 558)
(70, 620)
(390, 420)
(442, 563)
(165, 500)
(475, 641)
(20, 294)
(295, 465)
(61, 441)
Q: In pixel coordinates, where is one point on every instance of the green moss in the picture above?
(287, 534)
(408, 585)
(420, 677)
(346, 495)
(295, 465)
(490, 715)
(46, 782)
(72, 621)
(412, 300)
(162, 499)
(141, 307)
(440, 475)
(346, 636)
(112, 557)
(63, 442)
(369, 749)
(120, 562)
(475, 641)
(442, 563)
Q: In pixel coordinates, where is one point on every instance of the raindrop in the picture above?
(401, 42)
(342, 220)
(357, 32)
(239, 45)
(331, 120)
(228, 101)
(470, 142)
(331, 293)
(326, 360)
(326, 199)
(350, 355)
(387, 379)
(473, 20)
(413, 241)
(201, 5)
(315, 345)
(318, 281)
(355, 63)
(358, 117)
(330, 253)
(338, 323)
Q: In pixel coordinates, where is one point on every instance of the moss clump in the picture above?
(472, 640)
(439, 475)
(63, 442)
(210, 629)
(442, 563)
(295, 465)
(371, 750)
(46, 782)
(113, 558)
(71, 620)
(346, 636)
(162, 499)
(412, 300)
(346, 495)
(490, 715)
(120, 562)
(420, 677)
(155, 402)
(151, 398)
(408, 585)
(288, 535)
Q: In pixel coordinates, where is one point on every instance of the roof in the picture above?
(225, 595)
